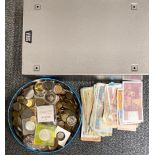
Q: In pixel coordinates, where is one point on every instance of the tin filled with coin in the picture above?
(44, 115)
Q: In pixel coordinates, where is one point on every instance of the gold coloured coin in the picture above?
(20, 99)
(33, 118)
(59, 105)
(30, 103)
(58, 89)
(38, 87)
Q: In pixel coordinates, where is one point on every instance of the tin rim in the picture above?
(76, 95)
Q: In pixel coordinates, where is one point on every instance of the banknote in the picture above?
(132, 77)
(98, 105)
(132, 102)
(97, 122)
(120, 125)
(112, 99)
(128, 127)
(119, 108)
(87, 98)
(106, 116)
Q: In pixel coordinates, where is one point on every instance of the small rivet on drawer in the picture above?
(36, 68)
(37, 6)
(133, 6)
(134, 67)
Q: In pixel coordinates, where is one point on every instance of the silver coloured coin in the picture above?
(60, 136)
(71, 120)
(29, 94)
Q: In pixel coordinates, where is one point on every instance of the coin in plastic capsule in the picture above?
(57, 98)
(50, 97)
(48, 85)
(30, 125)
(71, 120)
(60, 136)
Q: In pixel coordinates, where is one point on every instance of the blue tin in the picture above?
(77, 98)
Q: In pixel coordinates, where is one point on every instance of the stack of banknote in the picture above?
(108, 106)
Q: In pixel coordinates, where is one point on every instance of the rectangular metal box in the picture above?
(85, 37)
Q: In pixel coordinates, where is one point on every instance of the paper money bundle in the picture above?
(108, 106)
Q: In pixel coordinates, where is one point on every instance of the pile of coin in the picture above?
(45, 115)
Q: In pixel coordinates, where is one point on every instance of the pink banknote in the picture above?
(132, 102)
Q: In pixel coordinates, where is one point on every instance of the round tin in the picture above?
(10, 109)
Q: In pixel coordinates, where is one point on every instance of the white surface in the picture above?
(67, 134)
(45, 113)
